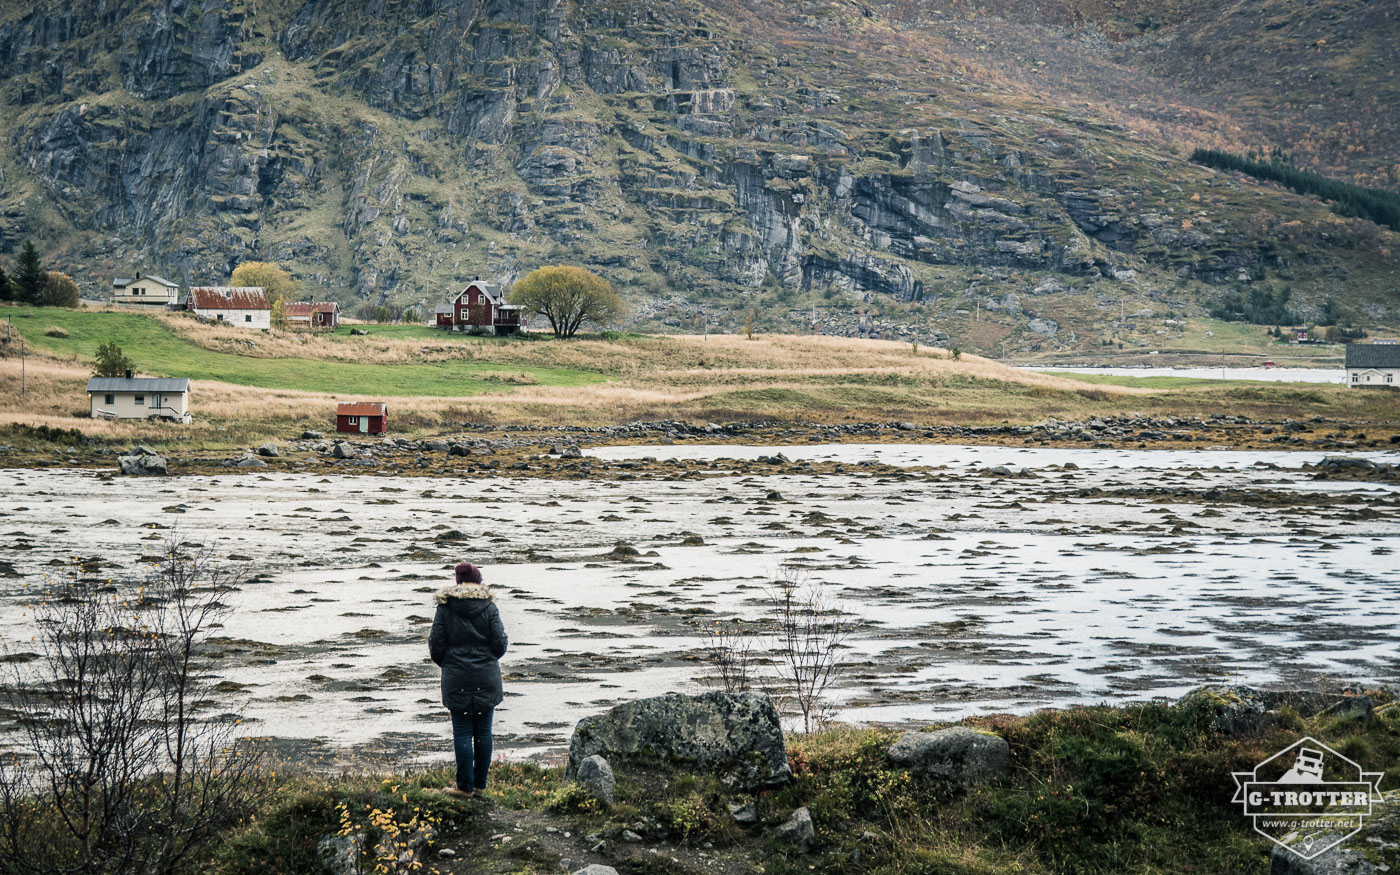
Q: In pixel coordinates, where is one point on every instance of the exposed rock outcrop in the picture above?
(737, 736)
(957, 756)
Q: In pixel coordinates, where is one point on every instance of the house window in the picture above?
(354, 420)
(1390, 378)
(109, 399)
(248, 317)
(140, 400)
(1356, 378)
(220, 317)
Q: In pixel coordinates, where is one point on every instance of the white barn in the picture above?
(1373, 365)
(139, 397)
(145, 291)
(244, 306)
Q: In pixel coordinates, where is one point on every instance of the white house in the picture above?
(245, 306)
(139, 397)
(145, 291)
(1373, 365)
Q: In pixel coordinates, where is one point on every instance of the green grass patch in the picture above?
(159, 352)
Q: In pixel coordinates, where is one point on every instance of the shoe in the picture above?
(451, 790)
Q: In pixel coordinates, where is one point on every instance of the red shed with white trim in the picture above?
(362, 417)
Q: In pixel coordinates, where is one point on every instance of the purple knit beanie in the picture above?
(468, 573)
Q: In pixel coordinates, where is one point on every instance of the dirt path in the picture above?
(510, 841)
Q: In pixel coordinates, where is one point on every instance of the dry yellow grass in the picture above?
(711, 359)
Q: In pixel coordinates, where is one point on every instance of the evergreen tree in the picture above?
(29, 275)
(6, 289)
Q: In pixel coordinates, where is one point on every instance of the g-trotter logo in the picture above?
(1307, 798)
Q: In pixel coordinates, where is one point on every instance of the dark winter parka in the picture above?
(466, 642)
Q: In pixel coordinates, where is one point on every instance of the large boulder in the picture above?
(958, 756)
(737, 736)
(143, 464)
(1239, 710)
(343, 450)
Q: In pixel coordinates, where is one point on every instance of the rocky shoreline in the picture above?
(556, 452)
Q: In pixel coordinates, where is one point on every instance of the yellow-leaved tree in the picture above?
(567, 297)
(274, 279)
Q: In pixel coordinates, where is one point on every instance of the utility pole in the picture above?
(21, 367)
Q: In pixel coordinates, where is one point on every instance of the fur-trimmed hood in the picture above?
(463, 591)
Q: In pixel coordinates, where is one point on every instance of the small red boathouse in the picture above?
(362, 417)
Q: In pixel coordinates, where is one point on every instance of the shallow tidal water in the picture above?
(1091, 575)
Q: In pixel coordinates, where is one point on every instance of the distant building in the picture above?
(245, 306)
(322, 315)
(1373, 365)
(139, 397)
(145, 291)
(480, 307)
(362, 417)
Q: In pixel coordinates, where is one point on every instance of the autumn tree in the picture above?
(111, 361)
(280, 286)
(567, 297)
(59, 290)
(278, 317)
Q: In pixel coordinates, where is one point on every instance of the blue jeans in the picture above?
(471, 740)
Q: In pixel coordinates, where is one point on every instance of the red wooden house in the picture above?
(319, 314)
(362, 417)
(481, 307)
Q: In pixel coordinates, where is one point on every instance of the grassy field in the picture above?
(159, 351)
(253, 385)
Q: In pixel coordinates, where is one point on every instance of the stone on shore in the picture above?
(596, 776)
(343, 450)
(958, 755)
(797, 830)
(340, 855)
(735, 736)
(269, 450)
(595, 869)
(743, 812)
(311, 435)
(143, 464)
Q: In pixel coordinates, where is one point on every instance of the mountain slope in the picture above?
(954, 174)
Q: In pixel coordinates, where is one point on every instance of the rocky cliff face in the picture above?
(799, 160)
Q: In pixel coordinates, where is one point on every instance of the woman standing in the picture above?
(466, 642)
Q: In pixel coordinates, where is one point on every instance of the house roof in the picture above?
(228, 298)
(362, 408)
(326, 307)
(301, 309)
(1373, 355)
(123, 281)
(492, 290)
(443, 310)
(138, 384)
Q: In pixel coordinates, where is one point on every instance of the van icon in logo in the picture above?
(1307, 798)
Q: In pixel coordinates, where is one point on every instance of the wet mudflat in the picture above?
(983, 578)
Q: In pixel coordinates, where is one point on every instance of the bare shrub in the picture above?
(808, 640)
(729, 648)
(115, 766)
